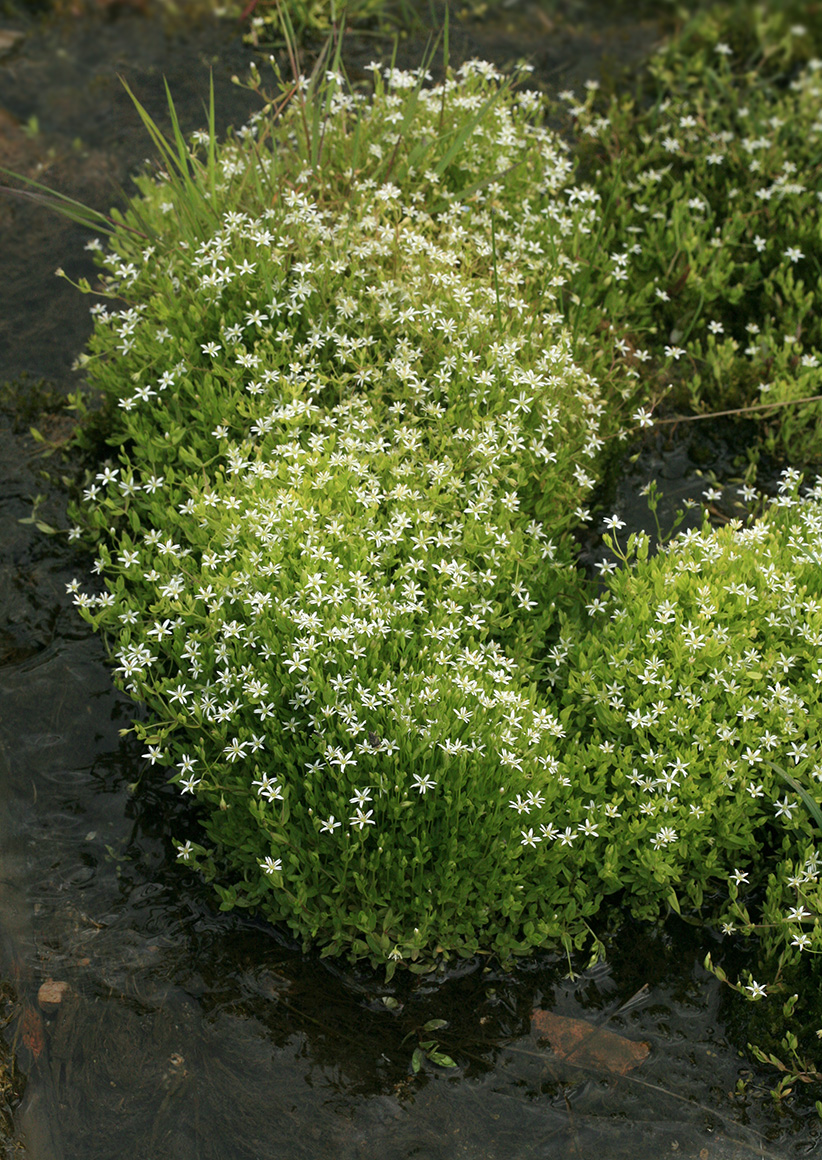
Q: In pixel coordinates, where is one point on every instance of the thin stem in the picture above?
(496, 283)
(739, 410)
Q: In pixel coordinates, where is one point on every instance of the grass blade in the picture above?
(67, 207)
(468, 128)
(811, 805)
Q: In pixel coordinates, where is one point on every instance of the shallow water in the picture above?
(196, 1035)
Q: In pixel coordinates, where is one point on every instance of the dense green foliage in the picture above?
(343, 427)
(699, 682)
(709, 247)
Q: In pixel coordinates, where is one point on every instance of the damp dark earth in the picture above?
(139, 1021)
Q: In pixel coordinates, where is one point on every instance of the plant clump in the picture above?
(708, 250)
(694, 702)
(697, 689)
(347, 417)
(354, 436)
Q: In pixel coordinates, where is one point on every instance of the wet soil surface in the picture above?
(191, 1034)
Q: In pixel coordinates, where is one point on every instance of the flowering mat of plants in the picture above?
(363, 369)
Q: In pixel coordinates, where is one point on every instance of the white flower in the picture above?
(798, 914)
(271, 865)
(423, 783)
(235, 749)
(785, 807)
(268, 788)
(756, 990)
(663, 837)
(359, 820)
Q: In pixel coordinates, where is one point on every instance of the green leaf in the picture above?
(465, 131)
(813, 808)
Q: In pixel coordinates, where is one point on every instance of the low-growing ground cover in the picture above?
(698, 689)
(695, 697)
(708, 249)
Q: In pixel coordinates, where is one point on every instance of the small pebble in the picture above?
(51, 995)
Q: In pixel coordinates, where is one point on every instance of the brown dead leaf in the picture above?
(32, 1033)
(586, 1045)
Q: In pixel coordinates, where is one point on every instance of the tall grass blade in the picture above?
(183, 151)
(336, 68)
(212, 140)
(468, 128)
(67, 207)
(177, 159)
(410, 109)
(319, 94)
(164, 149)
(446, 55)
(811, 805)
